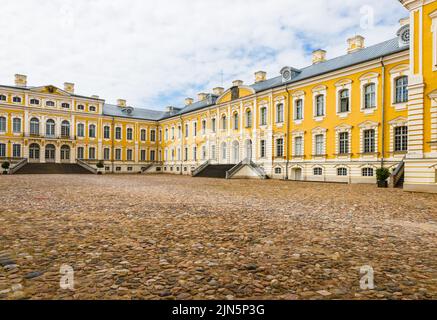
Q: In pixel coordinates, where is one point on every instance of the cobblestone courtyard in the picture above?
(168, 237)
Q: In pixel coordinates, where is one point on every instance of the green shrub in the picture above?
(6, 165)
(382, 174)
(100, 164)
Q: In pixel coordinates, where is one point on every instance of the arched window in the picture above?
(263, 116)
(34, 151)
(224, 151)
(80, 131)
(224, 126)
(344, 100)
(50, 104)
(50, 152)
(65, 105)
(34, 126)
(2, 97)
(298, 109)
(369, 96)
(236, 119)
(118, 133)
(320, 105)
(401, 89)
(248, 118)
(2, 124)
(34, 101)
(92, 131)
(50, 128)
(92, 108)
(129, 133)
(16, 99)
(341, 172)
(143, 134)
(106, 132)
(65, 128)
(80, 107)
(280, 113)
(16, 125)
(80, 152)
(65, 153)
(318, 171)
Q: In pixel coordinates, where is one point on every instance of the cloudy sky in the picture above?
(156, 53)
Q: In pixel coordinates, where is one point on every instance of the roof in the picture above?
(137, 113)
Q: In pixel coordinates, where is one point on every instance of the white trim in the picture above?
(345, 84)
(368, 78)
(433, 16)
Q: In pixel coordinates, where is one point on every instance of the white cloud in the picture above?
(154, 53)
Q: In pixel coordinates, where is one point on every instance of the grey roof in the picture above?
(137, 113)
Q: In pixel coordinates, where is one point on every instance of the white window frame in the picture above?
(319, 90)
(121, 132)
(433, 16)
(300, 95)
(21, 125)
(398, 122)
(315, 133)
(366, 79)
(369, 125)
(339, 87)
(6, 123)
(344, 128)
(395, 73)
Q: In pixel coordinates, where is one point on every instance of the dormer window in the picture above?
(16, 99)
(404, 35)
(80, 107)
(65, 105)
(2, 97)
(50, 104)
(92, 108)
(288, 73)
(34, 101)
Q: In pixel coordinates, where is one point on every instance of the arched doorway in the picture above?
(235, 152)
(65, 153)
(248, 147)
(34, 152)
(50, 153)
(297, 174)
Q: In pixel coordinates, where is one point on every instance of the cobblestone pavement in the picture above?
(172, 237)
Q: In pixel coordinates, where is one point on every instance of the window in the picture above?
(65, 152)
(65, 105)
(118, 154)
(278, 170)
(263, 148)
(2, 124)
(213, 155)
(224, 122)
(2, 97)
(172, 154)
(152, 135)
(248, 119)
(34, 126)
(236, 121)
(80, 130)
(280, 113)
(143, 134)
(129, 155)
(367, 172)
(34, 101)
(318, 171)
(179, 154)
(2, 150)
(172, 133)
(92, 153)
(195, 129)
(319, 144)
(118, 133)
(344, 101)
(106, 154)
(179, 132)
(50, 128)
(92, 131)
(92, 109)
(298, 111)
(185, 154)
(152, 155)
(16, 150)
(369, 141)
(143, 155)
(129, 133)
(16, 99)
(343, 142)
(80, 107)
(203, 152)
(369, 96)
(263, 116)
(401, 138)
(213, 125)
(298, 146)
(195, 153)
(341, 172)
(280, 147)
(50, 104)
(166, 135)
(187, 130)
(224, 149)
(320, 105)
(16, 125)
(65, 128)
(80, 152)
(203, 127)
(106, 132)
(401, 89)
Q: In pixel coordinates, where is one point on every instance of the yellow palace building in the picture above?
(337, 120)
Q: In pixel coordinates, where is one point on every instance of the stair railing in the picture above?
(258, 170)
(18, 166)
(147, 167)
(200, 168)
(85, 165)
(231, 172)
(397, 174)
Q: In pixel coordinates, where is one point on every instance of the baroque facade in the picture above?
(336, 120)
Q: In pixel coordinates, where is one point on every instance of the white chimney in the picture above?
(20, 80)
(202, 96)
(319, 56)
(355, 43)
(188, 101)
(237, 83)
(260, 76)
(69, 87)
(121, 103)
(218, 91)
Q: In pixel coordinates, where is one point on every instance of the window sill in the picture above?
(399, 106)
(369, 110)
(343, 114)
(298, 121)
(319, 118)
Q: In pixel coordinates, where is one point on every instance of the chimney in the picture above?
(121, 103)
(355, 43)
(319, 56)
(260, 76)
(189, 101)
(237, 83)
(94, 96)
(69, 87)
(202, 96)
(20, 80)
(404, 21)
(218, 91)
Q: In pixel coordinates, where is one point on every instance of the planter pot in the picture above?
(382, 184)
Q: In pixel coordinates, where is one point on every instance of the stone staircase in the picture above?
(215, 171)
(52, 168)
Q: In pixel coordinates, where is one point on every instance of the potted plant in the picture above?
(5, 166)
(382, 174)
(100, 165)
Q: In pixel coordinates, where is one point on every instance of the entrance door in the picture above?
(65, 153)
(249, 150)
(298, 174)
(50, 153)
(34, 151)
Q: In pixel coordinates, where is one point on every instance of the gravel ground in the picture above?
(173, 237)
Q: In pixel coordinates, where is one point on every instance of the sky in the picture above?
(156, 53)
